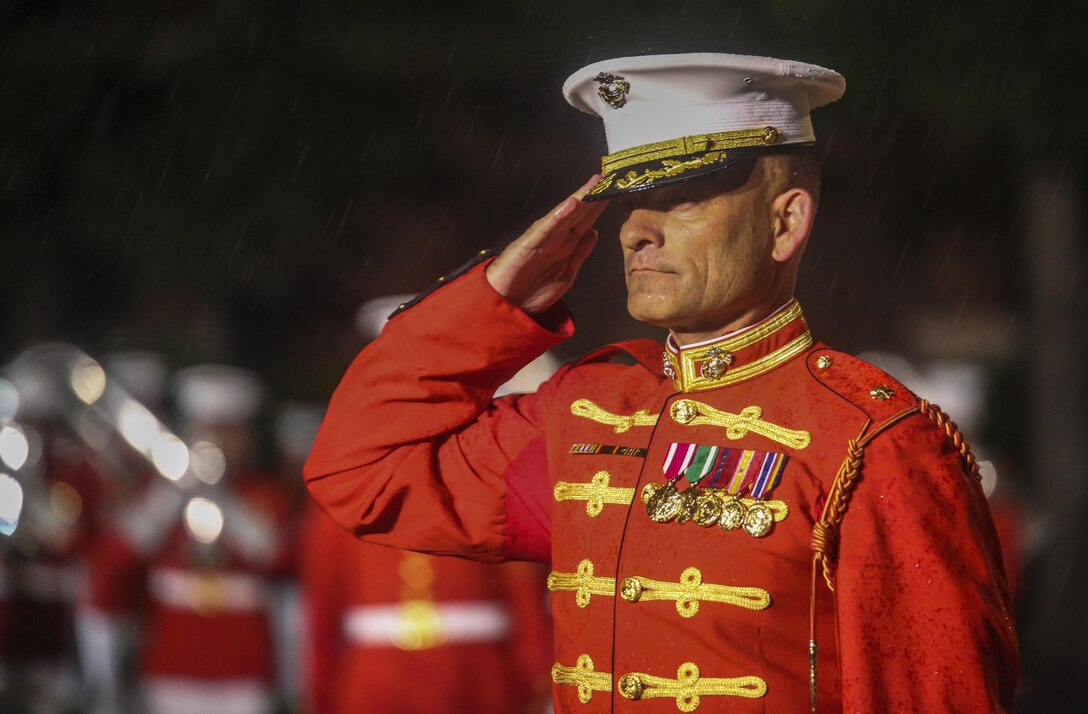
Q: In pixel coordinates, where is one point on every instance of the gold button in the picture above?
(631, 589)
(823, 361)
(631, 687)
(684, 411)
(442, 279)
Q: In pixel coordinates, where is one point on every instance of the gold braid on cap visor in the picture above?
(668, 151)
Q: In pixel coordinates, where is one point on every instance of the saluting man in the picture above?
(744, 518)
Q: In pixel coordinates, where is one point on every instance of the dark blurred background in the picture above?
(231, 181)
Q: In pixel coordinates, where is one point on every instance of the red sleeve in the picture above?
(323, 605)
(922, 604)
(413, 453)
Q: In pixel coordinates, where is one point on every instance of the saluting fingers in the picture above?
(576, 217)
(588, 216)
(565, 223)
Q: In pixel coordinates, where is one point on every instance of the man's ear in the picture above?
(792, 213)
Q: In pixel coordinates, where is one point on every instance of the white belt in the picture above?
(166, 695)
(418, 624)
(207, 592)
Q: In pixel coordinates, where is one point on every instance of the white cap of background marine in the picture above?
(218, 394)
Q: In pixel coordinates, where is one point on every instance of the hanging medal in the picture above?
(759, 518)
(708, 508)
(702, 464)
(663, 500)
(717, 478)
(736, 479)
(709, 504)
(666, 502)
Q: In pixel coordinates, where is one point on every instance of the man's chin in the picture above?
(651, 313)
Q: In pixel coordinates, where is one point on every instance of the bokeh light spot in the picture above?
(88, 380)
(203, 520)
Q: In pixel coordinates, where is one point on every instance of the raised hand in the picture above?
(539, 267)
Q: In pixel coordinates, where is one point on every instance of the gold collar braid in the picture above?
(755, 351)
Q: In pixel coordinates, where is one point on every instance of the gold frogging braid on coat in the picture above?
(619, 423)
(583, 582)
(694, 413)
(689, 686)
(596, 493)
(690, 589)
(583, 676)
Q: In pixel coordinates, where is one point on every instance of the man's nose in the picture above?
(641, 229)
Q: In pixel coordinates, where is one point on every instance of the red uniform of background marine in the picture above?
(751, 521)
(383, 622)
(202, 556)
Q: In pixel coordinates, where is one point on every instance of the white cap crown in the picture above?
(697, 103)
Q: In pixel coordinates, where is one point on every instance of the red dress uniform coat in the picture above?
(395, 631)
(665, 616)
(206, 607)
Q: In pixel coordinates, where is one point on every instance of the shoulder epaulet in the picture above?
(446, 279)
(887, 402)
(869, 388)
(648, 353)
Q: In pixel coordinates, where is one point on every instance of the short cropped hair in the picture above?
(795, 167)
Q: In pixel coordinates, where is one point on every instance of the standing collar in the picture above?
(740, 355)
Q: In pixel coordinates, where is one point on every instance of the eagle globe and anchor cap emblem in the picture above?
(613, 89)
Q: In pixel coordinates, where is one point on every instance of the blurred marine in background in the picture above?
(52, 492)
(197, 559)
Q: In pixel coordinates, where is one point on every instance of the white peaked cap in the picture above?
(372, 316)
(680, 95)
(663, 98)
(218, 394)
